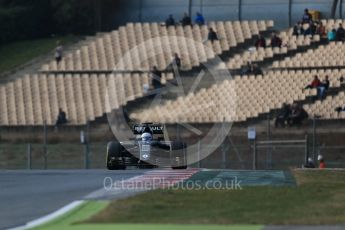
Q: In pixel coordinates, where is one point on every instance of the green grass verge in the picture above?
(319, 198)
(78, 214)
(70, 220)
(15, 54)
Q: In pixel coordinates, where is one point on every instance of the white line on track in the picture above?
(170, 176)
(50, 217)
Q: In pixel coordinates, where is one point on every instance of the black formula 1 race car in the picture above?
(145, 151)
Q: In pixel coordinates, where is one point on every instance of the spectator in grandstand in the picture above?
(307, 17)
(323, 88)
(298, 114)
(61, 119)
(321, 160)
(310, 163)
(314, 84)
(175, 63)
(170, 21)
(199, 19)
(251, 68)
(332, 35)
(295, 31)
(283, 115)
(298, 29)
(212, 35)
(256, 70)
(340, 34)
(156, 76)
(186, 20)
(311, 30)
(321, 30)
(340, 109)
(58, 52)
(276, 41)
(260, 42)
(246, 69)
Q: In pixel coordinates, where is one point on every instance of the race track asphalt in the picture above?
(28, 195)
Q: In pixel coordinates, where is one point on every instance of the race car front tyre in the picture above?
(115, 160)
(146, 166)
(179, 152)
(179, 167)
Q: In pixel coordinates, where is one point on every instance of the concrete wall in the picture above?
(277, 10)
(320, 5)
(157, 10)
(153, 10)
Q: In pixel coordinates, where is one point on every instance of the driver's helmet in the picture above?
(146, 137)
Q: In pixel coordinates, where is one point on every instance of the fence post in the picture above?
(86, 157)
(86, 146)
(314, 135)
(140, 11)
(254, 155)
(45, 144)
(306, 149)
(178, 131)
(341, 9)
(269, 148)
(223, 150)
(290, 13)
(199, 149)
(239, 8)
(29, 157)
(334, 8)
(201, 6)
(190, 8)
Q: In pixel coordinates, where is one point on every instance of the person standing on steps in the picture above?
(58, 52)
(176, 62)
(199, 19)
(212, 35)
(186, 20)
(340, 34)
(170, 21)
(61, 119)
(307, 17)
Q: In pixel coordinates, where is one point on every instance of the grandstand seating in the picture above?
(290, 42)
(259, 54)
(330, 55)
(332, 23)
(80, 86)
(156, 46)
(326, 108)
(239, 99)
(33, 99)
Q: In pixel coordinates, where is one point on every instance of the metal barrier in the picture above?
(281, 144)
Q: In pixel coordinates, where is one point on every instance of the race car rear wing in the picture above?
(155, 128)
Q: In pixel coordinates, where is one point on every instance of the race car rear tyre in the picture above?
(178, 148)
(114, 151)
